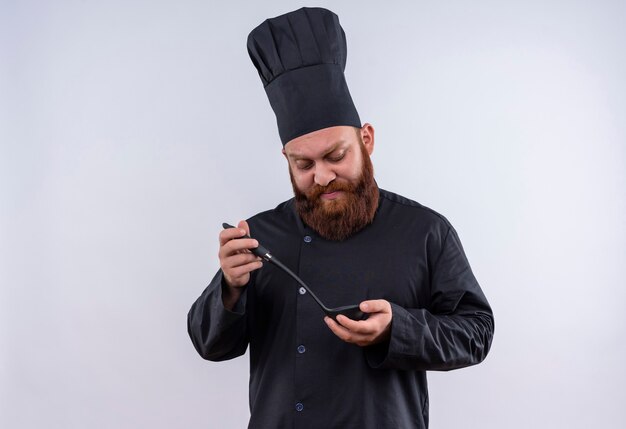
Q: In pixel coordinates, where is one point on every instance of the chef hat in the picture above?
(300, 57)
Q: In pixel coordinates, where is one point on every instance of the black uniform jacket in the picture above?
(301, 374)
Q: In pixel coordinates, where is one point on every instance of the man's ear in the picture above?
(284, 154)
(367, 135)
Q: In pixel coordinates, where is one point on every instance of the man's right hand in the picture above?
(237, 261)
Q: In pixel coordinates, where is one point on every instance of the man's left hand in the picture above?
(375, 329)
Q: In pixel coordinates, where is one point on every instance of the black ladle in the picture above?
(350, 311)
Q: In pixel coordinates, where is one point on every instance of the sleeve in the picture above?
(217, 333)
(454, 331)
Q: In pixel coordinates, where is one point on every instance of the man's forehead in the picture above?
(314, 150)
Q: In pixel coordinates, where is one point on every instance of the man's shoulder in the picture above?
(280, 213)
(408, 207)
(277, 225)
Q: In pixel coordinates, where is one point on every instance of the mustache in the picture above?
(317, 190)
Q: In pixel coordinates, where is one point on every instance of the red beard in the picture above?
(339, 219)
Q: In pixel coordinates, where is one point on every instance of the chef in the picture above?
(351, 242)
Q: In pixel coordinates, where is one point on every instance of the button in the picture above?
(307, 239)
(302, 291)
(299, 406)
(301, 349)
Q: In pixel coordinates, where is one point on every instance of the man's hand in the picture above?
(236, 261)
(375, 329)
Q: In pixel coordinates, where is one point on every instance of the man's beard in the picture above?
(340, 218)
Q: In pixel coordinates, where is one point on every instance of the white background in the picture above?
(130, 130)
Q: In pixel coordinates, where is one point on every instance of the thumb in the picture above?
(375, 306)
(244, 225)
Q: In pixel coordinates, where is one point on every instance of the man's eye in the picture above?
(305, 166)
(337, 158)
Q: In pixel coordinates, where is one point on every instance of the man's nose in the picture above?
(324, 175)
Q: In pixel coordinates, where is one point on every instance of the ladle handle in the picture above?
(259, 251)
(266, 255)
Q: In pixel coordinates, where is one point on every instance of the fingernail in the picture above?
(365, 307)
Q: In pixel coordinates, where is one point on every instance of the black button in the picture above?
(307, 239)
(301, 349)
(299, 406)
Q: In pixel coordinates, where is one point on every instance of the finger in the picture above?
(242, 270)
(234, 246)
(365, 327)
(337, 329)
(244, 225)
(346, 335)
(375, 306)
(238, 259)
(229, 234)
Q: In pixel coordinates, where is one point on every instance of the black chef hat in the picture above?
(300, 57)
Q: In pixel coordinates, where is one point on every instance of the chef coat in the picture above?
(301, 374)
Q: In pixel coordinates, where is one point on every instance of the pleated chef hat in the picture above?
(301, 57)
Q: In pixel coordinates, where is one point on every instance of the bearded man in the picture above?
(352, 243)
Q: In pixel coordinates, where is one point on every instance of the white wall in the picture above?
(130, 130)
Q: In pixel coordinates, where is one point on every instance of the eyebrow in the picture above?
(334, 147)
